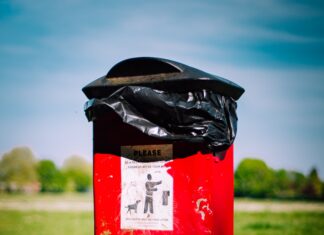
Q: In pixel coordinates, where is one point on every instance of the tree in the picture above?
(283, 182)
(78, 172)
(313, 187)
(18, 170)
(51, 179)
(254, 179)
(289, 184)
(298, 183)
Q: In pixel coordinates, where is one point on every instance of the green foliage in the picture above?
(78, 172)
(254, 179)
(18, 170)
(298, 183)
(282, 186)
(51, 179)
(282, 179)
(313, 187)
(289, 184)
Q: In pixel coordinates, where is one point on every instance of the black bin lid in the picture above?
(162, 74)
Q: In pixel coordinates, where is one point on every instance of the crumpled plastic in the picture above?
(202, 116)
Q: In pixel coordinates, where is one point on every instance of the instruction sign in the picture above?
(147, 189)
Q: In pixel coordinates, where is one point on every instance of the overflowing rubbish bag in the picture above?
(202, 116)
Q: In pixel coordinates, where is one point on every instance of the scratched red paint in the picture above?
(203, 195)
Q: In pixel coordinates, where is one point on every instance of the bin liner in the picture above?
(202, 116)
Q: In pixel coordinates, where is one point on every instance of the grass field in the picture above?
(260, 218)
(45, 223)
(266, 223)
(81, 223)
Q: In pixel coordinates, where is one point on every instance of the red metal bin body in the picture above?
(202, 185)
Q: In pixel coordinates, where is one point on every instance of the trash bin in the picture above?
(163, 153)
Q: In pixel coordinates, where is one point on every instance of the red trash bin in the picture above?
(155, 177)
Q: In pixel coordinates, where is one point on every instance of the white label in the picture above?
(147, 190)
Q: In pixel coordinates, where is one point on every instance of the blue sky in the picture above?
(49, 50)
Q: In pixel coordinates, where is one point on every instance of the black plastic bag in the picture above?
(195, 116)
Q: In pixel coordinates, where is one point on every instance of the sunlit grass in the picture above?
(81, 223)
(266, 223)
(45, 223)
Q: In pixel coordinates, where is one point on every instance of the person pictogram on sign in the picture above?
(150, 188)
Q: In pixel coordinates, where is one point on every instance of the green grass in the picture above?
(45, 223)
(81, 223)
(266, 223)
(13, 222)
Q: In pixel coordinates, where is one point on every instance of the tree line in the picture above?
(253, 178)
(20, 171)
